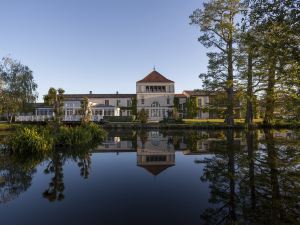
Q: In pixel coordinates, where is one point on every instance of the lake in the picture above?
(159, 177)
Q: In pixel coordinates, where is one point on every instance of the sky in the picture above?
(103, 46)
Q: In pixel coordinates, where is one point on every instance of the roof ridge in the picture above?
(155, 77)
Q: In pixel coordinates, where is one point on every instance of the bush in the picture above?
(96, 131)
(29, 140)
(118, 118)
(80, 135)
(143, 116)
(43, 139)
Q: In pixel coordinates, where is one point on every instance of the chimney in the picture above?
(91, 92)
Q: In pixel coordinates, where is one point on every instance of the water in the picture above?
(183, 177)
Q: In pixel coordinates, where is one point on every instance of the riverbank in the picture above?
(6, 126)
(185, 124)
(201, 124)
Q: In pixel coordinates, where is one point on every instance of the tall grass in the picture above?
(34, 139)
(30, 140)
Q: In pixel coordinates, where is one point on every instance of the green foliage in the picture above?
(17, 88)
(192, 108)
(134, 106)
(55, 98)
(218, 26)
(80, 135)
(97, 132)
(85, 110)
(119, 118)
(143, 116)
(30, 140)
(176, 103)
(40, 140)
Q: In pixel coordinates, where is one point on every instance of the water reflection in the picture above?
(15, 176)
(253, 177)
(254, 184)
(56, 161)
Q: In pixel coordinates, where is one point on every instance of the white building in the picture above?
(155, 94)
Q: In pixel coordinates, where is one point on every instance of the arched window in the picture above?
(155, 104)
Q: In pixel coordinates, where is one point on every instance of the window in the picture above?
(200, 101)
(106, 102)
(168, 101)
(128, 103)
(118, 102)
(156, 158)
(142, 101)
(155, 104)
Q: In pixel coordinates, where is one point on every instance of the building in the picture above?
(154, 93)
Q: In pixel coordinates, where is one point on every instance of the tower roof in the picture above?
(155, 169)
(155, 77)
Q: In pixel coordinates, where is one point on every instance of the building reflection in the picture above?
(155, 150)
(156, 154)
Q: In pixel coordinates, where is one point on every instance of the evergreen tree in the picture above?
(218, 28)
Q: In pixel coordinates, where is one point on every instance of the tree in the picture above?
(17, 88)
(277, 26)
(143, 116)
(85, 110)
(192, 108)
(134, 106)
(55, 98)
(217, 23)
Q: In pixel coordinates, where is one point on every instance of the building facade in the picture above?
(154, 93)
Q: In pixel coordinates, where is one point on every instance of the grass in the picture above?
(5, 126)
(217, 121)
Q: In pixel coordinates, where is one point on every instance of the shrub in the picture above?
(119, 118)
(80, 135)
(143, 116)
(97, 132)
(30, 140)
(72, 136)
(35, 139)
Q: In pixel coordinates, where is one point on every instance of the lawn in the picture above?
(5, 126)
(217, 121)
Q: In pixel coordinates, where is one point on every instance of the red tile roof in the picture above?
(180, 96)
(155, 77)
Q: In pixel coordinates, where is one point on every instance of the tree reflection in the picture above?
(55, 191)
(256, 182)
(220, 171)
(15, 175)
(56, 186)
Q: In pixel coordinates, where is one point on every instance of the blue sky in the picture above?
(103, 45)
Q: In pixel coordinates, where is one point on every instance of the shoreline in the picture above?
(167, 126)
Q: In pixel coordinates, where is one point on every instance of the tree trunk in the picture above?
(249, 111)
(272, 162)
(11, 118)
(230, 148)
(229, 120)
(270, 93)
(250, 148)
